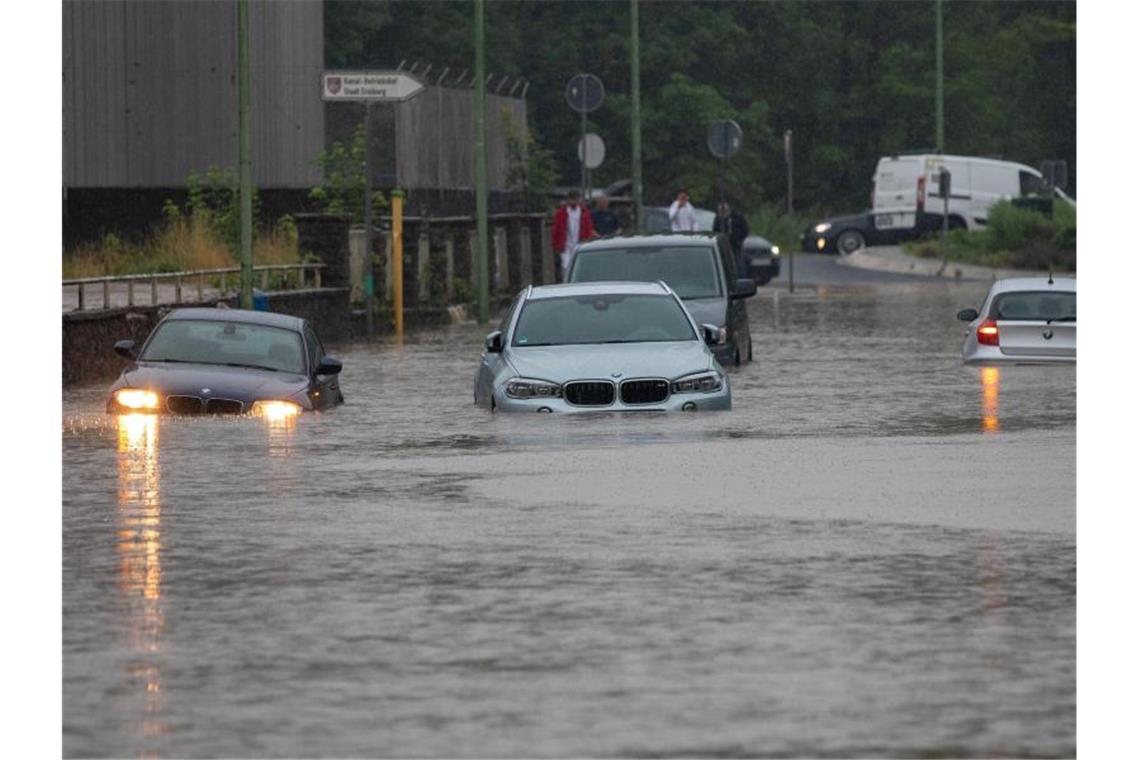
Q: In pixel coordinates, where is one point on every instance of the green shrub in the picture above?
(1010, 228)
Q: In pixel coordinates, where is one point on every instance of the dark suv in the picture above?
(699, 267)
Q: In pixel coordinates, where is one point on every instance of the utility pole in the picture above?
(792, 251)
(245, 167)
(481, 164)
(635, 112)
(939, 136)
(369, 278)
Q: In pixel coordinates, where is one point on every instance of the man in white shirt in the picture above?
(682, 217)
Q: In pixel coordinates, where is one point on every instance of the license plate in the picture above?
(885, 221)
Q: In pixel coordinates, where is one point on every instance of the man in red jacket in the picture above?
(572, 225)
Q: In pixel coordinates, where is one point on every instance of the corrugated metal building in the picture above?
(150, 91)
(150, 97)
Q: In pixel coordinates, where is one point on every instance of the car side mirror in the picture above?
(714, 335)
(125, 348)
(329, 366)
(745, 288)
(968, 315)
(494, 342)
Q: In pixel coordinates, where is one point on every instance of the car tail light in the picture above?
(988, 333)
(921, 193)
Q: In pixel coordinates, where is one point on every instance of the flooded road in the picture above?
(872, 554)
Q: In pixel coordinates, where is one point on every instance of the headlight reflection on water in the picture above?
(140, 557)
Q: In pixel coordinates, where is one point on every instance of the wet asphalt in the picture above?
(873, 553)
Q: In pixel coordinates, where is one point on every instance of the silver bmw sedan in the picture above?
(601, 346)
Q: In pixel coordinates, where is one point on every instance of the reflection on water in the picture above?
(140, 559)
(991, 388)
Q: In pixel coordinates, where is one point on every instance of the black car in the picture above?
(761, 259)
(699, 267)
(227, 361)
(847, 234)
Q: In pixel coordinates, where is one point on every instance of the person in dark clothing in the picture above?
(606, 222)
(733, 224)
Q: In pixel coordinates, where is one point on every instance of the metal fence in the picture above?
(196, 280)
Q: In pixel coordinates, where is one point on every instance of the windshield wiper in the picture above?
(1067, 318)
(252, 366)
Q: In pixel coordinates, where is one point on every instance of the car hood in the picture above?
(562, 363)
(239, 383)
(707, 310)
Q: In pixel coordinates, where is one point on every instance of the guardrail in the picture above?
(197, 276)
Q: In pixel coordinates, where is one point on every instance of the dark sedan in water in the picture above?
(227, 361)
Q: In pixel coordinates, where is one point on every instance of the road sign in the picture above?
(595, 150)
(376, 86)
(585, 92)
(725, 138)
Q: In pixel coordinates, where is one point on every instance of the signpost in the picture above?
(591, 153)
(584, 93)
(724, 139)
(792, 251)
(370, 87)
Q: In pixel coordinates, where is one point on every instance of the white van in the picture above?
(905, 199)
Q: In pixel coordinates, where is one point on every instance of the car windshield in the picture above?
(1036, 306)
(690, 271)
(205, 341)
(602, 318)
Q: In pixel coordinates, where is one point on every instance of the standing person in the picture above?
(732, 224)
(572, 225)
(606, 222)
(682, 217)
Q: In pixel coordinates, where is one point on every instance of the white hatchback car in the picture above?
(1023, 320)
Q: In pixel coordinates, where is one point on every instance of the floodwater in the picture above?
(873, 553)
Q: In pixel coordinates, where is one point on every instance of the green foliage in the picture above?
(215, 198)
(530, 167)
(779, 227)
(1014, 238)
(1010, 228)
(345, 181)
(853, 80)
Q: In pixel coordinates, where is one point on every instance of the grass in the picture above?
(779, 227)
(180, 244)
(1015, 238)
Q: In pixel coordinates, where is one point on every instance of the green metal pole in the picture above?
(369, 276)
(245, 167)
(481, 164)
(635, 111)
(940, 137)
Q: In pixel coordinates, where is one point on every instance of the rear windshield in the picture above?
(608, 318)
(1059, 306)
(216, 342)
(690, 271)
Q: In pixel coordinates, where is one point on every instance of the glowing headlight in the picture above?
(525, 388)
(133, 398)
(275, 410)
(775, 250)
(823, 227)
(705, 382)
(821, 244)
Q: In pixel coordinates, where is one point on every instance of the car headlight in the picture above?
(522, 387)
(134, 398)
(703, 382)
(275, 410)
(775, 250)
(823, 227)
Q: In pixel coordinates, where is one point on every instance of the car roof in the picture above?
(247, 316)
(694, 239)
(597, 288)
(1033, 283)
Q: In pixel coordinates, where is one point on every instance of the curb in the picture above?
(892, 259)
